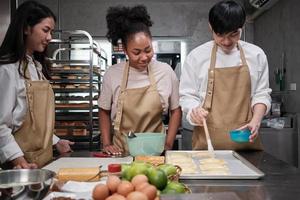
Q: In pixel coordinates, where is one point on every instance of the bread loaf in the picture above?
(79, 174)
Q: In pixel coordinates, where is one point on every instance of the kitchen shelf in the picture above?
(85, 79)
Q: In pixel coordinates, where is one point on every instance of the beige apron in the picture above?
(138, 110)
(35, 135)
(228, 100)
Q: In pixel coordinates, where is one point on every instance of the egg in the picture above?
(136, 195)
(100, 192)
(150, 191)
(115, 197)
(124, 188)
(112, 183)
(141, 186)
(139, 179)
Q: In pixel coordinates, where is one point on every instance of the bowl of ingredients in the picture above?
(151, 144)
(240, 136)
(25, 183)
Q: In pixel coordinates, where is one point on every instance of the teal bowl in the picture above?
(151, 144)
(240, 136)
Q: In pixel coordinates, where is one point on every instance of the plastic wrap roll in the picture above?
(79, 174)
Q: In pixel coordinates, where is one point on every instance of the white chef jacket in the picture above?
(194, 76)
(13, 106)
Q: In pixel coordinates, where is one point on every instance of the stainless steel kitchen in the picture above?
(154, 100)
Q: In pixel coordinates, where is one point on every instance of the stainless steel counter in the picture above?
(282, 182)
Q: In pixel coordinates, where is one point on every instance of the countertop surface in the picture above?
(281, 181)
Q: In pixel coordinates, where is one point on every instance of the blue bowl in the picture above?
(151, 144)
(240, 135)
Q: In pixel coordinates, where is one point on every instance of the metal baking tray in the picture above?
(239, 167)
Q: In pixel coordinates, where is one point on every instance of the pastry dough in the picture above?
(213, 166)
(79, 174)
(151, 159)
(184, 160)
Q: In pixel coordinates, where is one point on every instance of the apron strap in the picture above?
(243, 57)
(28, 95)
(211, 78)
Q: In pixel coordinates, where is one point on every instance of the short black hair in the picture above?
(123, 22)
(227, 16)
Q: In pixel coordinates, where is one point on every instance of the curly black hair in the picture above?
(123, 22)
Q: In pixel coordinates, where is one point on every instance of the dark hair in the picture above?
(13, 47)
(226, 16)
(123, 22)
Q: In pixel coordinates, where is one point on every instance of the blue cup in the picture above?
(240, 136)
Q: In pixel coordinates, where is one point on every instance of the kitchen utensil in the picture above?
(25, 183)
(106, 155)
(146, 144)
(131, 134)
(240, 135)
(209, 145)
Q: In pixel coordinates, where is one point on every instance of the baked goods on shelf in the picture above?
(72, 105)
(55, 77)
(72, 77)
(79, 132)
(77, 68)
(55, 86)
(70, 86)
(61, 131)
(66, 67)
(84, 86)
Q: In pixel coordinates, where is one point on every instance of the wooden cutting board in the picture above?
(85, 162)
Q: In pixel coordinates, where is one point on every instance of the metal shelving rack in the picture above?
(87, 115)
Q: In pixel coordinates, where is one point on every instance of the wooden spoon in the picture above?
(209, 145)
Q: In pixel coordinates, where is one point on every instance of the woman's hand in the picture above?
(198, 114)
(253, 126)
(21, 163)
(112, 149)
(63, 146)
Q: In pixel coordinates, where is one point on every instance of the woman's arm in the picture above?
(105, 125)
(174, 123)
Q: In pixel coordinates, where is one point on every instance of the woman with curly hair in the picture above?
(136, 93)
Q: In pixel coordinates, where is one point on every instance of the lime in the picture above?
(158, 178)
(176, 186)
(169, 169)
(169, 191)
(125, 167)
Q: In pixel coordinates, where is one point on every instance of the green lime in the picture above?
(169, 191)
(178, 187)
(125, 167)
(158, 178)
(169, 169)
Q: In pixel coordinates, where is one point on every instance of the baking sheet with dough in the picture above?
(238, 167)
(82, 162)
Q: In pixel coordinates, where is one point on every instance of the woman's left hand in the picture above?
(253, 126)
(63, 146)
